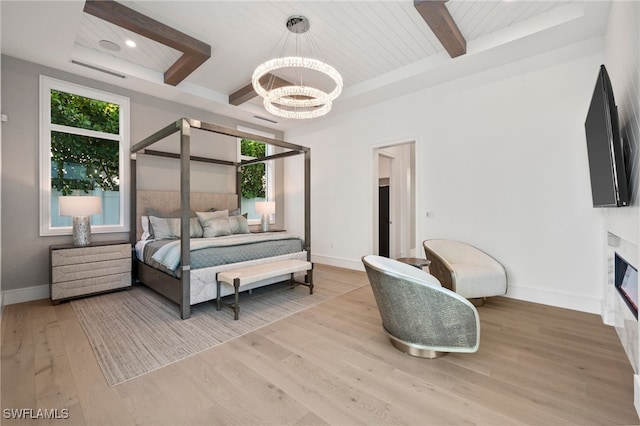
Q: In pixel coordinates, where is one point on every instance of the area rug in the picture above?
(137, 331)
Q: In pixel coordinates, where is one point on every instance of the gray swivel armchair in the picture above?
(421, 317)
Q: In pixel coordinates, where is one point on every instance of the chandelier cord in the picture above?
(283, 36)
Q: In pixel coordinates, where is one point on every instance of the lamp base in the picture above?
(81, 230)
(264, 222)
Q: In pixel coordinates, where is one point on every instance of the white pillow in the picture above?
(146, 235)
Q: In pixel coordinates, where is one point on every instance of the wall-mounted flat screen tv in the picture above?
(607, 170)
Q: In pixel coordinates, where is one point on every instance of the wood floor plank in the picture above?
(376, 375)
(55, 387)
(270, 403)
(105, 407)
(322, 404)
(18, 386)
(228, 399)
(146, 404)
(332, 364)
(357, 402)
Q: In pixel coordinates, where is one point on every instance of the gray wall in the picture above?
(25, 261)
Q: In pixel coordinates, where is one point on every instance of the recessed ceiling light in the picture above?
(109, 45)
(131, 43)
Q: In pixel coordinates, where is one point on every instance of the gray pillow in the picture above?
(239, 225)
(234, 212)
(164, 228)
(175, 213)
(215, 224)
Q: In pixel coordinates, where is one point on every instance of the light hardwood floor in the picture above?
(331, 364)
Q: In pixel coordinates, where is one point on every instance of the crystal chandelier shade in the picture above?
(296, 101)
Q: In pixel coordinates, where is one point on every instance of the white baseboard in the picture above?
(529, 294)
(636, 393)
(572, 301)
(339, 262)
(10, 297)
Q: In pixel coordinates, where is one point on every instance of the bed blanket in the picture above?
(169, 254)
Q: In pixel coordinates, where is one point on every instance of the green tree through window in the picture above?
(253, 177)
(84, 141)
(84, 162)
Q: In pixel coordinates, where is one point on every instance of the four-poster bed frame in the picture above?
(178, 289)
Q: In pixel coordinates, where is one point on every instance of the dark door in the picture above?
(383, 221)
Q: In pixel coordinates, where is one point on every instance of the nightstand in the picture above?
(77, 271)
(260, 231)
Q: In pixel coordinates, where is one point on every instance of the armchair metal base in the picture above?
(414, 349)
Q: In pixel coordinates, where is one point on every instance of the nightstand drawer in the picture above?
(82, 271)
(68, 289)
(90, 254)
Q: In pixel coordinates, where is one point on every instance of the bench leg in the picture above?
(218, 295)
(310, 277)
(236, 306)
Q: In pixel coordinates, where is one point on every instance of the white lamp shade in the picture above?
(79, 205)
(265, 207)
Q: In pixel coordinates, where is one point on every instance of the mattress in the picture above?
(208, 252)
(223, 254)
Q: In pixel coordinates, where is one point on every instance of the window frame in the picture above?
(46, 127)
(269, 167)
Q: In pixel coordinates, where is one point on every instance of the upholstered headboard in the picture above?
(169, 201)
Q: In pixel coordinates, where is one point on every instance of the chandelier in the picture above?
(296, 99)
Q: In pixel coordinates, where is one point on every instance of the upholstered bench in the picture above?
(238, 278)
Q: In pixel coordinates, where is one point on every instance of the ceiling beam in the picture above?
(247, 93)
(194, 52)
(437, 16)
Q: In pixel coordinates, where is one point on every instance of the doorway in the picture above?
(395, 200)
(384, 223)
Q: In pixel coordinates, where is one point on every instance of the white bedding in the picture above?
(203, 280)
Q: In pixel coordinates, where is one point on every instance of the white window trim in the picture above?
(270, 170)
(46, 85)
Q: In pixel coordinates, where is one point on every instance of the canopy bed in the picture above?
(180, 265)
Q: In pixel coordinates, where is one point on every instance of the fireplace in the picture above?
(620, 301)
(626, 283)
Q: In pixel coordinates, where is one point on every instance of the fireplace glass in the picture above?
(626, 281)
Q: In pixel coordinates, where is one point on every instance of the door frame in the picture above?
(392, 210)
(416, 188)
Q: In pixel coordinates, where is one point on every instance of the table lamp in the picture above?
(266, 209)
(81, 207)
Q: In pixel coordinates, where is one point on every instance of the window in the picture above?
(257, 179)
(84, 141)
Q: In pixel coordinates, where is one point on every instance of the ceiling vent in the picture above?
(265, 119)
(95, 68)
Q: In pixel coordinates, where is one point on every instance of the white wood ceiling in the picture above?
(147, 53)
(383, 49)
(362, 39)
